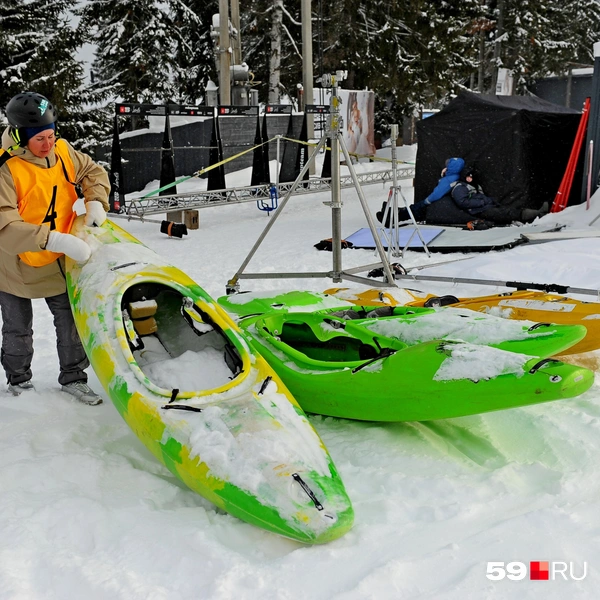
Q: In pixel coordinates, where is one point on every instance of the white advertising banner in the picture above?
(357, 109)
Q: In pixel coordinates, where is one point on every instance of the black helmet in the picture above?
(467, 171)
(30, 110)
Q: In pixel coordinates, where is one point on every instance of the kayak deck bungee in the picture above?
(520, 305)
(197, 393)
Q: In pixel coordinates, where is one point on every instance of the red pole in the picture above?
(562, 195)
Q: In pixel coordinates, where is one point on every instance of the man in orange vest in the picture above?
(39, 181)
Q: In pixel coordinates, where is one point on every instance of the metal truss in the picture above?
(140, 208)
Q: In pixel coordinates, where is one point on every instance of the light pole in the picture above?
(307, 66)
(224, 54)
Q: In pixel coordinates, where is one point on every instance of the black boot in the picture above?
(530, 214)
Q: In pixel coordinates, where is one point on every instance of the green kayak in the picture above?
(414, 325)
(340, 362)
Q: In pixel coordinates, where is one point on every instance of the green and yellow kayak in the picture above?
(198, 395)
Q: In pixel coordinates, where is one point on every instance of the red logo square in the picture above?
(538, 570)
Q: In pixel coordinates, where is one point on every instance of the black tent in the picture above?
(518, 145)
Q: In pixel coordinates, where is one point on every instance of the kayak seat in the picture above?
(440, 301)
(142, 316)
(301, 337)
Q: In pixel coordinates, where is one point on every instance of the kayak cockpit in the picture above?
(173, 341)
(323, 338)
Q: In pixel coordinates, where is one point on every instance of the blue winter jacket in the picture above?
(444, 186)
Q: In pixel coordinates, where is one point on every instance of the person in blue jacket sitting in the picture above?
(458, 181)
(450, 175)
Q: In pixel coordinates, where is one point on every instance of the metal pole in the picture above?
(569, 87)
(380, 250)
(497, 45)
(235, 21)
(278, 163)
(519, 285)
(394, 243)
(336, 193)
(307, 66)
(224, 54)
(589, 175)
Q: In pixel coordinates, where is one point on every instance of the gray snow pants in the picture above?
(17, 339)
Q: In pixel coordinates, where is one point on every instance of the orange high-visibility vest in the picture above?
(45, 196)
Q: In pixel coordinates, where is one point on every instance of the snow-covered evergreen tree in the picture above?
(38, 52)
(193, 62)
(135, 49)
(411, 53)
(537, 38)
(260, 40)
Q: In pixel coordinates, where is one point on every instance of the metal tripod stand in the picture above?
(337, 273)
(392, 235)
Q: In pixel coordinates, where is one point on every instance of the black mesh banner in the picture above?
(265, 149)
(294, 155)
(167, 161)
(116, 199)
(216, 176)
(258, 163)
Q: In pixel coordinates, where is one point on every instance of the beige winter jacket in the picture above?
(17, 236)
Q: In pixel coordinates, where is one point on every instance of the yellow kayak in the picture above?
(521, 305)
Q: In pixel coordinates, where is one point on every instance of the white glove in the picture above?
(94, 213)
(65, 243)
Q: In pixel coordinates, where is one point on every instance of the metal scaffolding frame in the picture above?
(392, 234)
(138, 208)
(337, 274)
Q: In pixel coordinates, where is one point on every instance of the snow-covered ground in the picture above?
(87, 512)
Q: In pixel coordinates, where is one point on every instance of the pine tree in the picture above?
(257, 44)
(38, 49)
(194, 57)
(135, 49)
(409, 53)
(537, 38)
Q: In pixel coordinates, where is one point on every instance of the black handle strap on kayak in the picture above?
(538, 325)
(544, 287)
(542, 363)
(333, 323)
(123, 265)
(264, 385)
(181, 407)
(170, 405)
(308, 491)
(383, 353)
